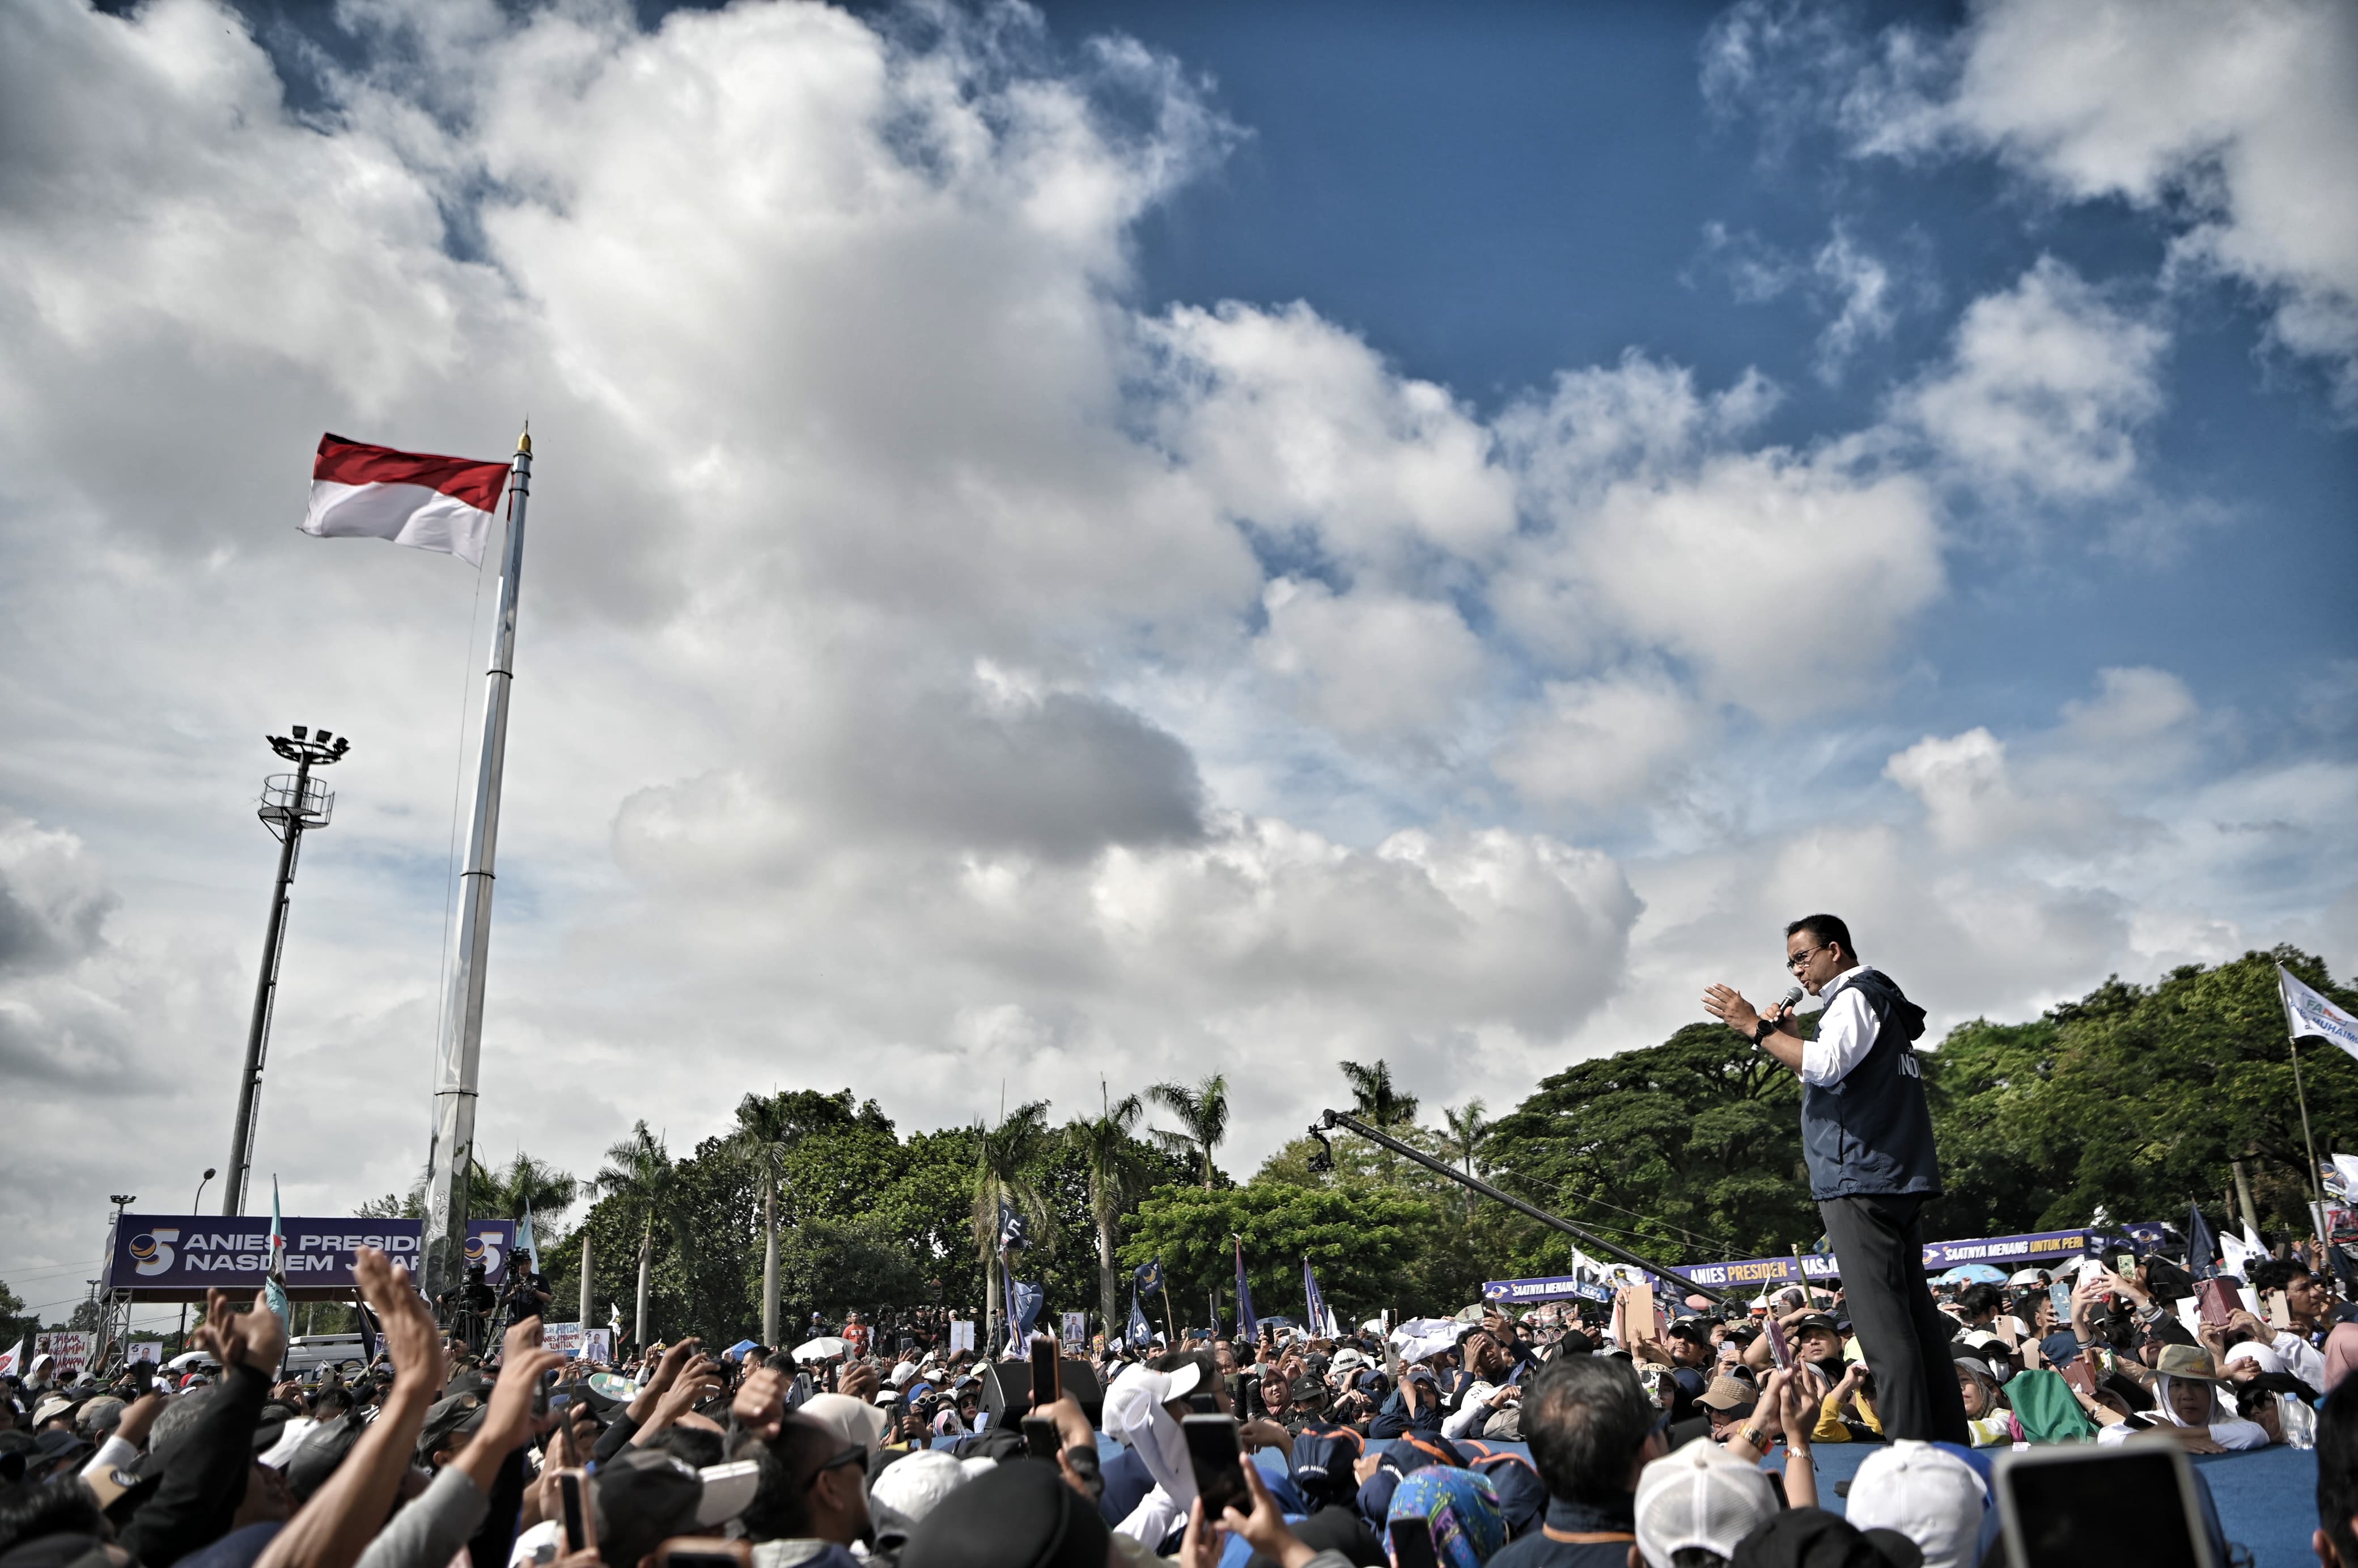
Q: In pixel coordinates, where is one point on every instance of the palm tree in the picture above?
(765, 1134)
(534, 1184)
(1466, 1137)
(1109, 1153)
(1203, 1113)
(1380, 1101)
(1006, 1159)
(639, 1172)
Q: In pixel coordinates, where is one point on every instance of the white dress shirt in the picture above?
(1847, 1031)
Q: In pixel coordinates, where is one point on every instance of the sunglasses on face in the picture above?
(854, 1454)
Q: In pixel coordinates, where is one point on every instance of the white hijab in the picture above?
(1135, 1417)
(2228, 1430)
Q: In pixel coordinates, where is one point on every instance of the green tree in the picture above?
(1359, 1242)
(2137, 1099)
(1008, 1158)
(766, 1135)
(1688, 1150)
(1203, 1113)
(1465, 1134)
(524, 1183)
(1108, 1153)
(639, 1172)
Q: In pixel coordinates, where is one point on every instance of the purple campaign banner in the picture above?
(1757, 1272)
(2037, 1247)
(193, 1251)
(1554, 1287)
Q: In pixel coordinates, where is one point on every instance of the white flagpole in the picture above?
(461, 1044)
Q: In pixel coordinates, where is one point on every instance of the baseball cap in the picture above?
(1931, 1496)
(1699, 1497)
(645, 1495)
(446, 1420)
(1728, 1393)
(1694, 1328)
(853, 1420)
(1809, 1320)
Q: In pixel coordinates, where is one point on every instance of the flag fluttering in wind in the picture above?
(1148, 1276)
(11, 1362)
(1321, 1315)
(429, 503)
(2201, 1253)
(274, 1284)
(1139, 1334)
(2311, 1015)
(1247, 1322)
(1014, 1232)
(1024, 1299)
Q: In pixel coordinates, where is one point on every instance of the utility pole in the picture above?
(292, 803)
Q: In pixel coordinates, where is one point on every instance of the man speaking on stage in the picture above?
(1866, 1132)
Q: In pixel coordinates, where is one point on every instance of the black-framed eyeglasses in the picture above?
(1794, 961)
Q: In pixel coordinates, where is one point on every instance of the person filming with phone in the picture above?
(1867, 1134)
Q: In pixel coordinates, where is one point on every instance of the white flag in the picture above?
(2236, 1255)
(11, 1362)
(2308, 1015)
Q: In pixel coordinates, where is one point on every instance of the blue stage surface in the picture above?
(2266, 1499)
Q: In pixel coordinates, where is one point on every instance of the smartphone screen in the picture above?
(580, 1525)
(1038, 1437)
(1411, 1542)
(2043, 1497)
(1047, 1384)
(2059, 1293)
(1780, 1350)
(1218, 1463)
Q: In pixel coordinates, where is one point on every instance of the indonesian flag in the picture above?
(360, 492)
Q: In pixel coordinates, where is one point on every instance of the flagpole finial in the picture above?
(524, 442)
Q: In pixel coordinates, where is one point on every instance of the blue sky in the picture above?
(1133, 539)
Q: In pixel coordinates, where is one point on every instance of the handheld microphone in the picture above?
(1791, 996)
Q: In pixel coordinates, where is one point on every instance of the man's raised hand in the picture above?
(761, 1403)
(410, 1337)
(1727, 1004)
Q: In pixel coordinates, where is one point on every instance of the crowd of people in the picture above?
(1562, 1437)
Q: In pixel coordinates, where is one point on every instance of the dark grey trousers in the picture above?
(1879, 1245)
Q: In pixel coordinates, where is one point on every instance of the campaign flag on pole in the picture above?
(1247, 1322)
(1014, 1233)
(429, 503)
(1148, 1276)
(1024, 1299)
(1138, 1335)
(2310, 1015)
(525, 1242)
(274, 1286)
(1320, 1316)
(11, 1362)
(2201, 1253)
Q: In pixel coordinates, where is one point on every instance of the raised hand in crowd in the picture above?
(698, 1381)
(507, 1416)
(667, 1373)
(255, 1339)
(345, 1513)
(140, 1418)
(860, 1381)
(760, 1407)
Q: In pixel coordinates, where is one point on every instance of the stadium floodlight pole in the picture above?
(1329, 1119)
(461, 1050)
(292, 805)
